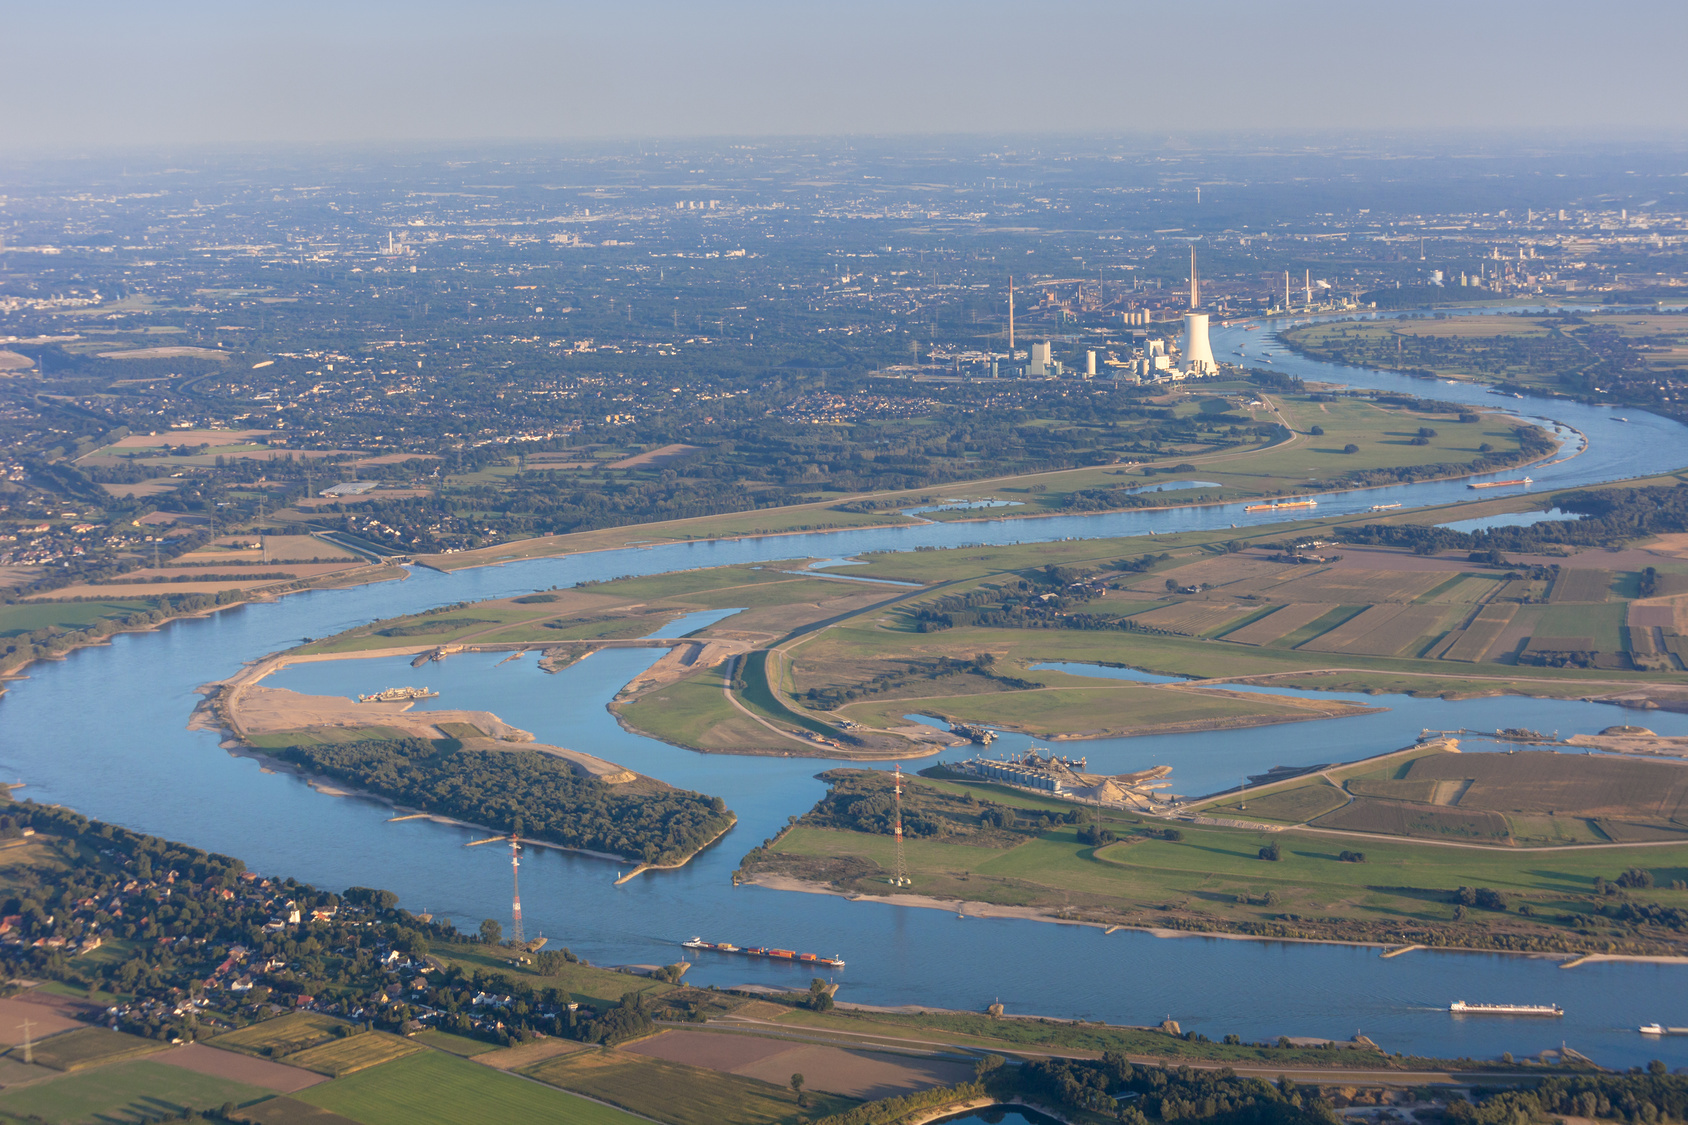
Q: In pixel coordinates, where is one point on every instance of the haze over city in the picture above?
(844, 564)
(98, 73)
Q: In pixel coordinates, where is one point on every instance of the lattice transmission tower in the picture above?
(516, 935)
(900, 878)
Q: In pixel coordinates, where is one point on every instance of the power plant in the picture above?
(1198, 353)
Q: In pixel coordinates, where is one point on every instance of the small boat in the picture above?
(1651, 1029)
(697, 943)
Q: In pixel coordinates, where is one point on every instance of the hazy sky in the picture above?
(86, 73)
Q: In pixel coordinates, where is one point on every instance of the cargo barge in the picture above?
(1384, 507)
(1461, 1008)
(1501, 483)
(763, 951)
(1276, 504)
(1660, 1029)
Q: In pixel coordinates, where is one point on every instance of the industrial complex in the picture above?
(1066, 777)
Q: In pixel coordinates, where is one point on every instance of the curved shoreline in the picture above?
(213, 713)
(1036, 914)
(1546, 458)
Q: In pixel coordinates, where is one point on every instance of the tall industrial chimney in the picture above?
(1195, 295)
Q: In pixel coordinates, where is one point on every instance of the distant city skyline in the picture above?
(96, 73)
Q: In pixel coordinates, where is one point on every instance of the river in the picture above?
(104, 732)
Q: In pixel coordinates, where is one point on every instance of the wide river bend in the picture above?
(104, 732)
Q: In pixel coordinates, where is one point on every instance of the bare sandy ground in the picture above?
(857, 1074)
(1670, 746)
(43, 1021)
(681, 661)
(834, 1070)
(188, 437)
(711, 1050)
(514, 1058)
(19, 574)
(260, 710)
(150, 589)
(142, 488)
(200, 1059)
(174, 351)
(654, 457)
(1673, 545)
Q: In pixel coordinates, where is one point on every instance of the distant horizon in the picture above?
(1503, 142)
(90, 74)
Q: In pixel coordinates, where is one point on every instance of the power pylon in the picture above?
(516, 935)
(900, 878)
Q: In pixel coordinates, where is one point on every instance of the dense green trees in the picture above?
(1607, 516)
(543, 795)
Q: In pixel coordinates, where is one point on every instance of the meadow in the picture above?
(339, 1057)
(122, 1093)
(88, 1046)
(1213, 877)
(281, 1036)
(434, 1088)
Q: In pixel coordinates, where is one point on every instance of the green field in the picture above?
(124, 1092)
(339, 1057)
(1284, 806)
(88, 1046)
(694, 712)
(679, 1094)
(325, 736)
(281, 1036)
(1118, 707)
(1213, 878)
(26, 617)
(980, 1031)
(1384, 435)
(1603, 624)
(602, 987)
(434, 1088)
(460, 1045)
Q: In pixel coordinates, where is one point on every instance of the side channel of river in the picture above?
(103, 731)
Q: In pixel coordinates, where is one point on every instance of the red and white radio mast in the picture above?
(900, 879)
(516, 935)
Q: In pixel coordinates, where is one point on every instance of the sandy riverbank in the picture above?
(245, 710)
(967, 909)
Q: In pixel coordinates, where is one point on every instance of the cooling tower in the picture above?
(1198, 354)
